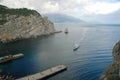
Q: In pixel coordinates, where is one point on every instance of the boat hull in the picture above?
(76, 48)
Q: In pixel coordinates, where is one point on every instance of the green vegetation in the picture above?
(10, 11)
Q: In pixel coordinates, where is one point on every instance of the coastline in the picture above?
(31, 37)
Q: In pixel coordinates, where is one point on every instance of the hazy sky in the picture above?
(76, 8)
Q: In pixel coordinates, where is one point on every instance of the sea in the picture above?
(88, 62)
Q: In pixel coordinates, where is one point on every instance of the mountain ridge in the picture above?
(62, 18)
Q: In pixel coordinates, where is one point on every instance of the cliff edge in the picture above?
(22, 23)
(113, 71)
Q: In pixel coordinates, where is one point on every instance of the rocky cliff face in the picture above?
(116, 53)
(113, 71)
(18, 26)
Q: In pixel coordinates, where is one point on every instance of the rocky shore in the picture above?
(113, 71)
(16, 24)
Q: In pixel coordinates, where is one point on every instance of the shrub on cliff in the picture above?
(10, 11)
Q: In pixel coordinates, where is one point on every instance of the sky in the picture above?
(89, 10)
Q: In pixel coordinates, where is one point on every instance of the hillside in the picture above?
(22, 23)
(4, 11)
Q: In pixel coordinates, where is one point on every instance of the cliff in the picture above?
(22, 23)
(113, 71)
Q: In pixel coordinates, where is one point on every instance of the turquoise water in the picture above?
(87, 63)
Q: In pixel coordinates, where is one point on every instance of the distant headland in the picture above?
(22, 23)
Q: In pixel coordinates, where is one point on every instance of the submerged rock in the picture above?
(23, 23)
(113, 71)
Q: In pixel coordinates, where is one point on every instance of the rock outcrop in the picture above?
(116, 53)
(113, 71)
(23, 23)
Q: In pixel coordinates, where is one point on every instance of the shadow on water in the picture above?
(22, 45)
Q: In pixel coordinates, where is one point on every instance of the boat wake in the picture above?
(77, 45)
(83, 35)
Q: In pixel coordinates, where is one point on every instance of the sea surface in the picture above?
(89, 62)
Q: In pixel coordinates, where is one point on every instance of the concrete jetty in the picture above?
(45, 74)
(10, 57)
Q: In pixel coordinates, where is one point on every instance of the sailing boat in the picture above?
(66, 30)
